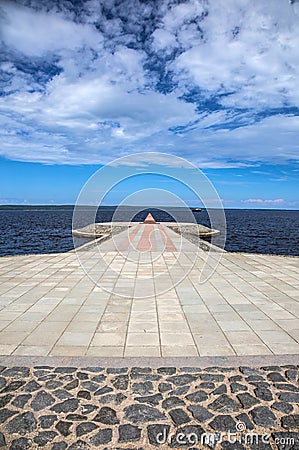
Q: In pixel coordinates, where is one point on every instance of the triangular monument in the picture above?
(149, 219)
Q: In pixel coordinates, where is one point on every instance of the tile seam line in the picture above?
(258, 307)
(130, 313)
(266, 295)
(20, 316)
(206, 305)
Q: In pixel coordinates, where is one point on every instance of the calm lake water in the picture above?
(49, 231)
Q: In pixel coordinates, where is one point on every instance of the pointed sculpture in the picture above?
(149, 219)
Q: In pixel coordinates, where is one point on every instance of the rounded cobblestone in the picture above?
(123, 408)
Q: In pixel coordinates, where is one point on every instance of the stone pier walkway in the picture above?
(147, 301)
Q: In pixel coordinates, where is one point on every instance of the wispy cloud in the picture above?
(214, 82)
(260, 201)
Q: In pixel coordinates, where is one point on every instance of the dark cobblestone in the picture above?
(84, 394)
(158, 433)
(44, 437)
(98, 378)
(5, 400)
(21, 444)
(64, 427)
(141, 370)
(103, 390)
(69, 405)
(2, 440)
(117, 370)
(263, 416)
(164, 387)
(224, 404)
(172, 402)
(102, 437)
(90, 386)
(79, 445)
(32, 386)
(226, 445)
(243, 417)
(76, 417)
(197, 397)
(121, 382)
(48, 420)
(276, 377)
(213, 377)
(263, 394)
(5, 414)
(291, 375)
(59, 446)
(22, 424)
(85, 428)
(247, 400)
(237, 387)
(16, 372)
(283, 407)
(142, 413)
(292, 397)
(179, 416)
(180, 390)
(223, 423)
(41, 401)
(107, 416)
(2, 382)
(143, 388)
(167, 370)
(290, 422)
(181, 380)
(13, 386)
(286, 440)
(62, 394)
(206, 385)
(200, 413)
(129, 433)
(151, 399)
(222, 389)
(71, 385)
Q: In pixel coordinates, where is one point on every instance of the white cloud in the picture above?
(38, 33)
(262, 201)
(102, 102)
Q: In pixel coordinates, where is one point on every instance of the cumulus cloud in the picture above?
(214, 82)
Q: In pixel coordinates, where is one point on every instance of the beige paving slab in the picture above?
(249, 306)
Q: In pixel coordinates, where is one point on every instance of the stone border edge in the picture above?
(202, 362)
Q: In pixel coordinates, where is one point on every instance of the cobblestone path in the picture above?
(62, 408)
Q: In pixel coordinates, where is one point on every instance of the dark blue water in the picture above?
(49, 231)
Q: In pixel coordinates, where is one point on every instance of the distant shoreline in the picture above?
(71, 207)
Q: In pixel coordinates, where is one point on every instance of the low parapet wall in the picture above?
(100, 229)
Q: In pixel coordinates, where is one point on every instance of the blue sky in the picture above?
(216, 83)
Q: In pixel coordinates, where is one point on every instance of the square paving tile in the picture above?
(173, 339)
(176, 351)
(146, 351)
(105, 351)
(71, 338)
(142, 339)
(108, 339)
(32, 350)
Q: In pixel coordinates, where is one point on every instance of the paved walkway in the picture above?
(49, 306)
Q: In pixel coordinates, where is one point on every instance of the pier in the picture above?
(50, 306)
(118, 344)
